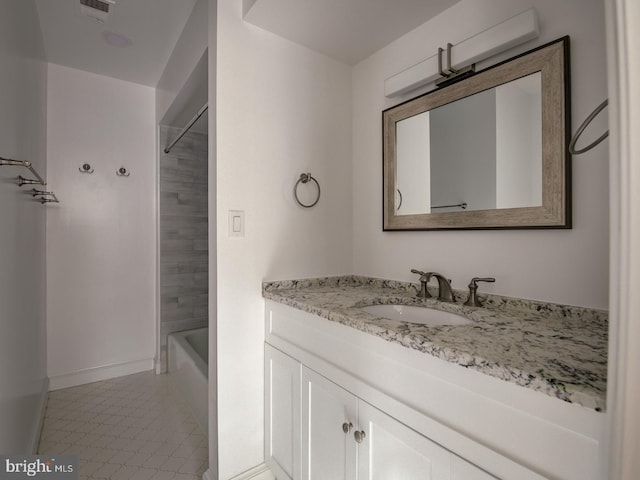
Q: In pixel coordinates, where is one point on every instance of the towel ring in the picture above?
(305, 178)
(589, 119)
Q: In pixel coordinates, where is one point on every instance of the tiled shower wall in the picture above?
(183, 235)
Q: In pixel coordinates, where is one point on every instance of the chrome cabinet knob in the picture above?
(347, 426)
(359, 435)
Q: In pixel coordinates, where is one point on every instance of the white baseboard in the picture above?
(44, 395)
(97, 374)
(259, 472)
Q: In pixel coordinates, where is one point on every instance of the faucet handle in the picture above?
(473, 301)
(475, 280)
(424, 278)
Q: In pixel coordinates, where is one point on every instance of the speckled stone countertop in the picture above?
(556, 349)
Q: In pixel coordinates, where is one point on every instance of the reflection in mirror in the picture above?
(477, 153)
(487, 152)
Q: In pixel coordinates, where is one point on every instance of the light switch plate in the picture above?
(236, 223)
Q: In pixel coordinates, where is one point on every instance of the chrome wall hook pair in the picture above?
(87, 168)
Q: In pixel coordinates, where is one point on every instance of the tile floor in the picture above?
(136, 427)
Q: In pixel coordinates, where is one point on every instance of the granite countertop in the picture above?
(556, 349)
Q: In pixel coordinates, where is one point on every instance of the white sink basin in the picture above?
(421, 315)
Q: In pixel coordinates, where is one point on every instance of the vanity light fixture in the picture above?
(510, 33)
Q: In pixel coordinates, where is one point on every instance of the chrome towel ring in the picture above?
(589, 119)
(306, 178)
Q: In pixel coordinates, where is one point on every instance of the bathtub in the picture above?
(189, 369)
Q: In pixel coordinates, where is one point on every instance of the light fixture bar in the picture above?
(508, 34)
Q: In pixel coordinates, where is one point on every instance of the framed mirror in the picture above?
(487, 152)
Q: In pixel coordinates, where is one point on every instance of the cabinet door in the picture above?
(282, 414)
(328, 414)
(463, 470)
(392, 451)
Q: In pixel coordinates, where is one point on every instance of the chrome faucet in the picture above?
(445, 293)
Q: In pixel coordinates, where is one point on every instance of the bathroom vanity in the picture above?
(517, 393)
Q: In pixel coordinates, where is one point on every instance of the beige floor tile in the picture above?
(156, 461)
(191, 466)
(144, 474)
(150, 446)
(87, 468)
(183, 451)
(161, 475)
(121, 457)
(200, 453)
(106, 471)
(139, 459)
(128, 428)
(105, 454)
(125, 473)
(167, 449)
(173, 464)
(185, 476)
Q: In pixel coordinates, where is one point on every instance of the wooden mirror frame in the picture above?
(552, 61)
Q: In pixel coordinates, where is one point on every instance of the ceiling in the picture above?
(347, 30)
(152, 26)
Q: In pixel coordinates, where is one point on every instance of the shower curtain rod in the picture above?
(187, 127)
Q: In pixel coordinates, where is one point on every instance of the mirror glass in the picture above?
(487, 152)
(469, 155)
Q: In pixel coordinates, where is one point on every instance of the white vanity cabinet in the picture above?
(317, 430)
(329, 417)
(282, 413)
(392, 450)
(416, 417)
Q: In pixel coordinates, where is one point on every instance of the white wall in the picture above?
(101, 248)
(565, 266)
(519, 143)
(188, 51)
(413, 152)
(23, 81)
(623, 389)
(212, 65)
(281, 110)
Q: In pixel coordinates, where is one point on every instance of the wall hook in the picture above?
(85, 168)
(41, 193)
(122, 172)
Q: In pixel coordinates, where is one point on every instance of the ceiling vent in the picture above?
(97, 10)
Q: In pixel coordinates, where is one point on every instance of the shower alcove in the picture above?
(182, 213)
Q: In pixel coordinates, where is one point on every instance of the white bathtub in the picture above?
(188, 365)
